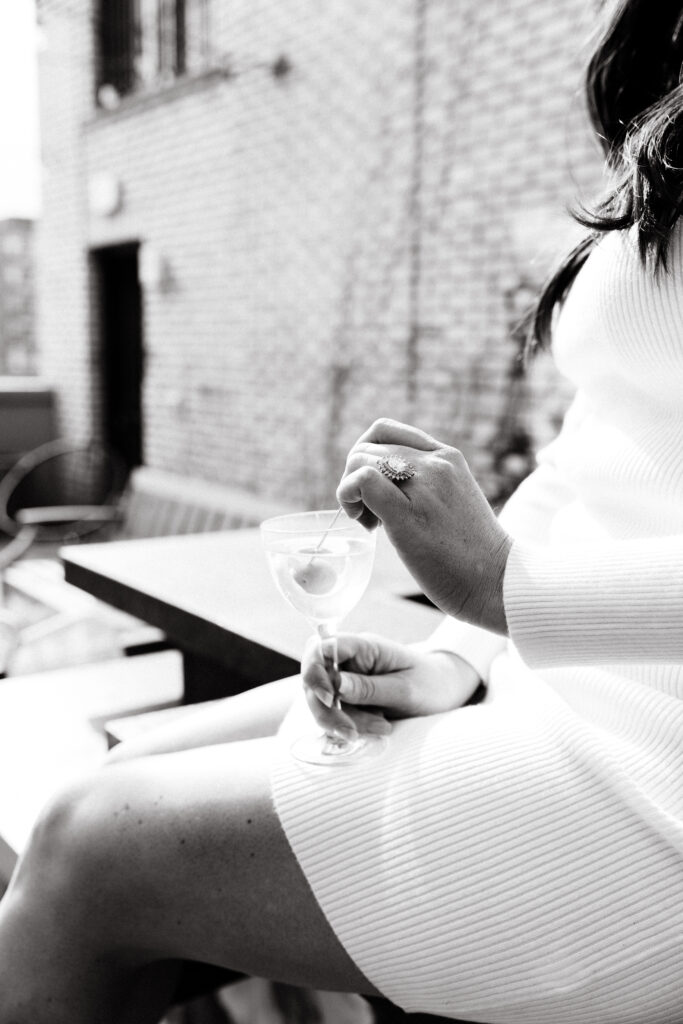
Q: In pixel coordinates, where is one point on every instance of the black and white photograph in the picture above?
(341, 511)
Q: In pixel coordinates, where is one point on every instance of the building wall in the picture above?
(347, 240)
(62, 276)
(17, 328)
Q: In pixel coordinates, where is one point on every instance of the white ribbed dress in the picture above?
(521, 861)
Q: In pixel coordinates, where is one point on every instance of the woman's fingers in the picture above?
(348, 720)
(315, 678)
(383, 691)
(314, 672)
(349, 646)
(386, 431)
(390, 691)
(361, 689)
(319, 691)
(364, 453)
(369, 497)
(332, 720)
(364, 493)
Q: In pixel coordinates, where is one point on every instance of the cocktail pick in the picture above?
(322, 539)
(321, 578)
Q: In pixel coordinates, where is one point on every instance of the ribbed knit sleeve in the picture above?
(602, 603)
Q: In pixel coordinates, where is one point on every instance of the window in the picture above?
(149, 43)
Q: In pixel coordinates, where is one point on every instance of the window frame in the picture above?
(130, 38)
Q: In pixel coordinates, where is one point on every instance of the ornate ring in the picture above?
(396, 468)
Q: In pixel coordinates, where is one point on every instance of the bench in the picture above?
(160, 504)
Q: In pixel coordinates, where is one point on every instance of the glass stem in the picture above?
(329, 649)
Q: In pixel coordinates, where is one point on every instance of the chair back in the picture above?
(62, 473)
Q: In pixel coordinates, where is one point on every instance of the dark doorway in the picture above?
(121, 356)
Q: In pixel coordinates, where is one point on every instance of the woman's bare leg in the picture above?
(252, 714)
(179, 856)
(249, 715)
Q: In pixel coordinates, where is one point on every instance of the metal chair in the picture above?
(60, 492)
(63, 490)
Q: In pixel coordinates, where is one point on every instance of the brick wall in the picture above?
(346, 240)
(17, 328)
(62, 276)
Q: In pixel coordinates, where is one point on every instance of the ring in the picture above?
(396, 468)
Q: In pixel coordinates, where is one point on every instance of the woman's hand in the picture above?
(439, 520)
(383, 680)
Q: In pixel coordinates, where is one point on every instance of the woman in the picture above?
(516, 860)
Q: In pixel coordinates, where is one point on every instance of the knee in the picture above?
(68, 843)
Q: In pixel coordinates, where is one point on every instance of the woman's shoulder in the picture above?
(623, 315)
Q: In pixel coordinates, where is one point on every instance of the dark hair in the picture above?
(634, 91)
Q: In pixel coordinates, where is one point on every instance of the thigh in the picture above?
(249, 715)
(191, 862)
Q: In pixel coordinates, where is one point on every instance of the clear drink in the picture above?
(323, 584)
(321, 563)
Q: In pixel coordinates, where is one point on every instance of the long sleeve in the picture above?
(601, 603)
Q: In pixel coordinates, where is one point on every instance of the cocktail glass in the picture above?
(321, 563)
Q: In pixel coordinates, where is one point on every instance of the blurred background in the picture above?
(234, 233)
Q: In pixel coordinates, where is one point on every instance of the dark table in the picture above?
(214, 598)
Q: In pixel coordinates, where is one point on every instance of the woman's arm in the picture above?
(527, 515)
(591, 603)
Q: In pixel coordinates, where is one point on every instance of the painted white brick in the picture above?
(286, 210)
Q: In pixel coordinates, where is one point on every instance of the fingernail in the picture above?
(380, 728)
(345, 687)
(324, 696)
